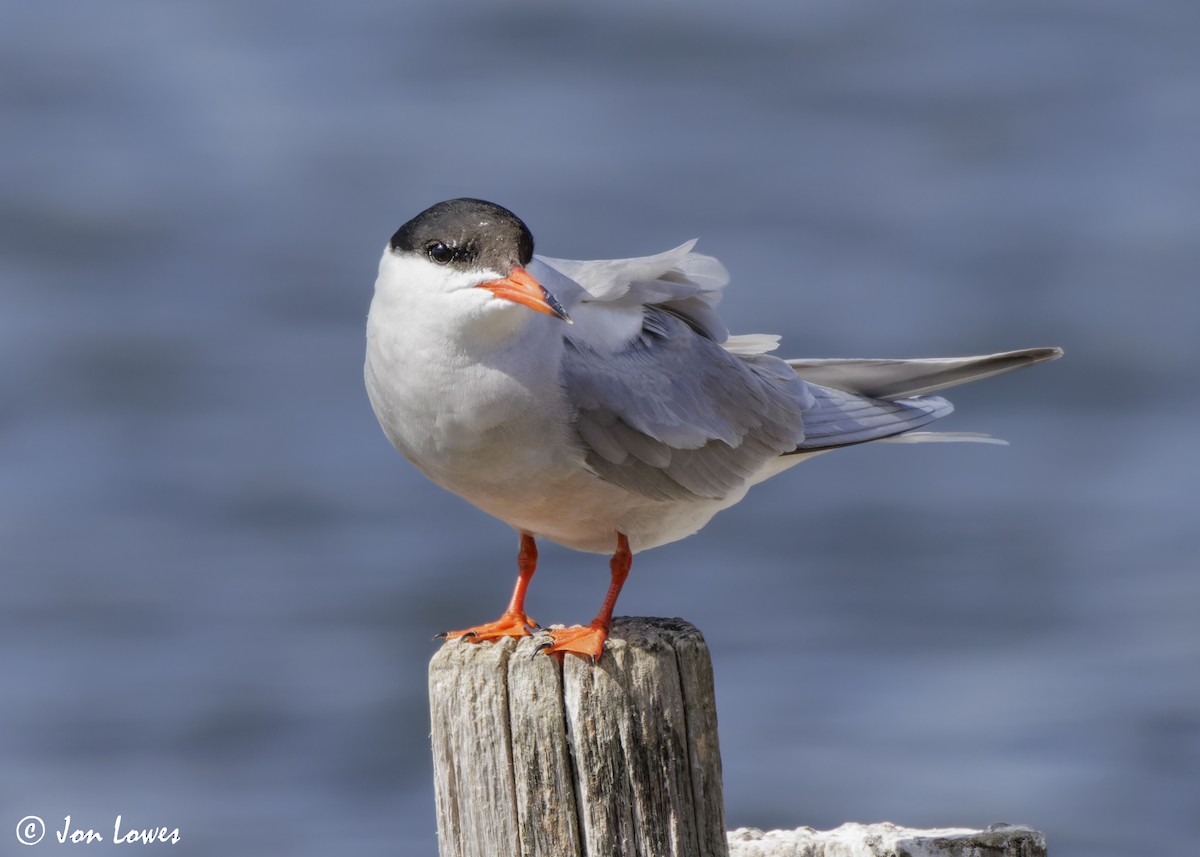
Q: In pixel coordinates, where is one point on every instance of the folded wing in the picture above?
(672, 415)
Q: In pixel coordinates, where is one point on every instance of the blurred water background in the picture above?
(220, 583)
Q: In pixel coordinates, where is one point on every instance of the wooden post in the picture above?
(537, 757)
(533, 757)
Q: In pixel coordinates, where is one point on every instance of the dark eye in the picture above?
(440, 253)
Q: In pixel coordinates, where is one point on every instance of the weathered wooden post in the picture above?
(533, 756)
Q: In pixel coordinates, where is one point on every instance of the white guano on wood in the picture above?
(888, 840)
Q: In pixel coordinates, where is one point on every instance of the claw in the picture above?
(454, 635)
(511, 624)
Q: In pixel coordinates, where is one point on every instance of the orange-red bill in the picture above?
(522, 288)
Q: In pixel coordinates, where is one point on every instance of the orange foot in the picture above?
(511, 624)
(586, 640)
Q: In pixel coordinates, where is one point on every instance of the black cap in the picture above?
(467, 233)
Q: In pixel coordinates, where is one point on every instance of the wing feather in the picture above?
(892, 379)
(841, 418)
(683, 281)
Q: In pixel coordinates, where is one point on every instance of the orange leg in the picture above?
(588, 640)
(514, 622)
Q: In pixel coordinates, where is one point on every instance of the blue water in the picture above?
(220, 583)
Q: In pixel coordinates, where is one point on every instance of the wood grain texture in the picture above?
(547, 816)
(472, 750)
(533, 756)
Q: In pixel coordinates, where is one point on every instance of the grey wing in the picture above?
(890, 379)
(674, 416)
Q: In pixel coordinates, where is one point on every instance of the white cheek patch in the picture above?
(408, 272)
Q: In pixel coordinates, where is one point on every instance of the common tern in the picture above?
(603, 404)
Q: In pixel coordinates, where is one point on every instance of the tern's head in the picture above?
(468, 244)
